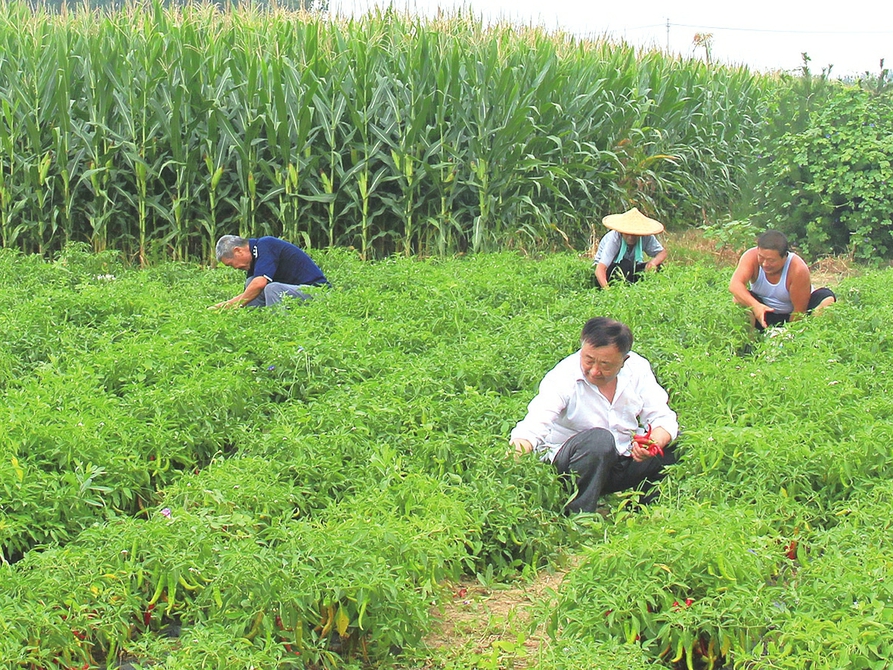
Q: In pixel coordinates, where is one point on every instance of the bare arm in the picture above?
(659, 258)
(601, 275)
(607, 250)
(744, 273)
(254, 289)
(799, 286)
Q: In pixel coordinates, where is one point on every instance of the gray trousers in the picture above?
(591, 458)
(274, 292)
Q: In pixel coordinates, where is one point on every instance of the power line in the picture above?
(791, 32)
(764, 30)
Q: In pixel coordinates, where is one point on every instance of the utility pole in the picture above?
(668, 34)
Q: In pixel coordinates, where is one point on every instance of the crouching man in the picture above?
(775, 283)
(591, 416)
(274, 268)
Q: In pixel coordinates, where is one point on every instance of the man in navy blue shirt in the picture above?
(275, 269)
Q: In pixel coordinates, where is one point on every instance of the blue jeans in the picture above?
(274, 292)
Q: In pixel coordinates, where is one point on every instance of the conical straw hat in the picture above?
(633, 222)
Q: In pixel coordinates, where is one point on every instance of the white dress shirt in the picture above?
(567, 404)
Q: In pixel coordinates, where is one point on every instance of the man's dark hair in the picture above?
(603, 332)
(773, 240)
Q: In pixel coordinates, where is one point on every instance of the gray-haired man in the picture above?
(275, 269)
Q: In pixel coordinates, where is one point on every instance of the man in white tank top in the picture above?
(775, 283)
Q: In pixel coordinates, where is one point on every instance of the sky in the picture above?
(849, 36)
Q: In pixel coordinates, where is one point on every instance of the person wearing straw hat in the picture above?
(622, 250)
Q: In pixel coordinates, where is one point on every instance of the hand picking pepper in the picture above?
(646, 442)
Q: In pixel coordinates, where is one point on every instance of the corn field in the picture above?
(153, 130)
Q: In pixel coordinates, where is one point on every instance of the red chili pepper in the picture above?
(147, 615)
(646, 442)
(643, 439)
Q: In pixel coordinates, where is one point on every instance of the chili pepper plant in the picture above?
(291, 487)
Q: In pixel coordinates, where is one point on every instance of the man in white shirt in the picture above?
(592, 412)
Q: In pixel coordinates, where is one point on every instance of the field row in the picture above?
(289, 488)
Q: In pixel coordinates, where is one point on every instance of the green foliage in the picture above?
(290, 487)
(771, 517)
(572, 653)
(664, 581)
(833, 619)
(732, 235)
(302, 479)
(826, 175)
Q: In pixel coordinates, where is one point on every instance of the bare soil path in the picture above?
(483, 625)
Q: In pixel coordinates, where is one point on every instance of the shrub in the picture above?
(828, 185)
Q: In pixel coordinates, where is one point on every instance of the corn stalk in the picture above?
(156, 127)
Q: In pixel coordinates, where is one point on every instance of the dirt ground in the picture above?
(832, 270)
(481, 626)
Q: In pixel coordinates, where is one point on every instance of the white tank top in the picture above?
(777, 295)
